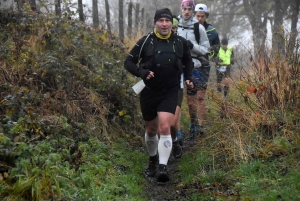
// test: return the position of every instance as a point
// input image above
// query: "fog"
(238, 31)
(230, 17)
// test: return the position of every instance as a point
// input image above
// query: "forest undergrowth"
(71, 129)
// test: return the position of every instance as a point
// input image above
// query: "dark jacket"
(161, 75)
(212, 34)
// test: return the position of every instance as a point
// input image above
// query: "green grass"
(267, 181)
(254, 180)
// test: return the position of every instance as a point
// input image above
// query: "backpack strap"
(143, 45)
(197, 32)
(179, 47)
(185, 27)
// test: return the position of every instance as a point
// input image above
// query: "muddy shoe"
(177, 150)
(151, 169)
(193, 133)
(162, 173)
(152, 166)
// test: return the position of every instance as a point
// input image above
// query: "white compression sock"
(164, 148)
(151, 144)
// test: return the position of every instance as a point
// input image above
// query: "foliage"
(63, 90)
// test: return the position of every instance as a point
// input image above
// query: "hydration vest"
(204, 59)
(161, 53)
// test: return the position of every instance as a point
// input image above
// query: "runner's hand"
(189, 84)
(150, 75)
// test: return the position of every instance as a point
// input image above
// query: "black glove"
(190, 44)
(214, 49)
(143, 73)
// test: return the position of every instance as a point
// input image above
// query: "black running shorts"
(158, 101)
(180, 97)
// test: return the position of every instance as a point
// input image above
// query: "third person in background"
(195, 33)
(225, 58)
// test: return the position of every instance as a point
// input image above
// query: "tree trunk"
(295, 4)
(95, 14)
(121, 20)
(137, 20)
(277, 31)
(257, 12)
(57, 7)
(107, 16)
(149, 23)
(142, 20)
(80, 11)
(129, 27)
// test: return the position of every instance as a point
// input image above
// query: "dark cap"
(224, 41)
(165, 12)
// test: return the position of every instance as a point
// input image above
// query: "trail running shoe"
(179, 137)
(177, 150)
(162, 173)
(193, 132)
(152, 166)
(151, 169)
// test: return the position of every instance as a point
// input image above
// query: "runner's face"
(201, 17)
(224, 46)
(163, 26)
(187, 12)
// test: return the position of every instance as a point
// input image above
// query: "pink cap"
(190, 3)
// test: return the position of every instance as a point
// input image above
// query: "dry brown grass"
(261, 116)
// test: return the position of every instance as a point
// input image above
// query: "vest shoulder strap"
(197, 32)
(185, 27)
(149, 34)
(151, 42)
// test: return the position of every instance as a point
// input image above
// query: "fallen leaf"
(261, 87)
(258, 115)
(251, 89)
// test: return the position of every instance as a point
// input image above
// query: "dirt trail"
(170, 190)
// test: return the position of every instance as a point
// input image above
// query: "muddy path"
(173, 189)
